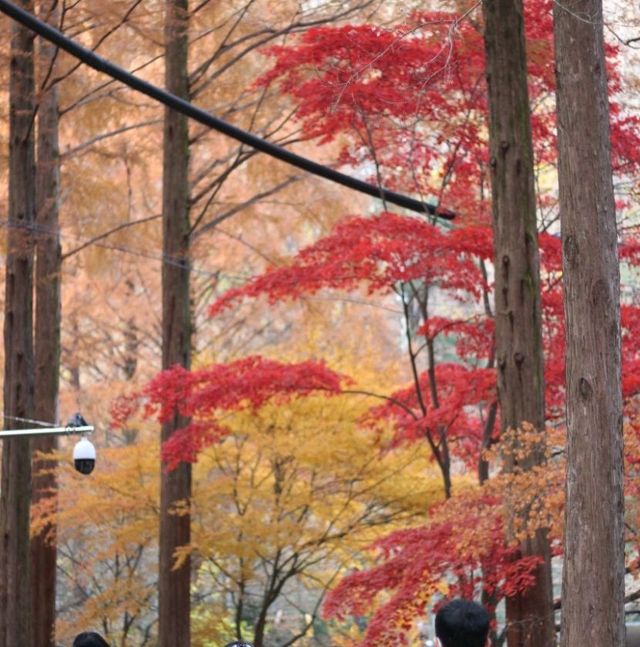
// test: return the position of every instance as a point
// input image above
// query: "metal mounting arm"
(48, 431)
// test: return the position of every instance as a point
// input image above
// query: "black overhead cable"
(180, 105)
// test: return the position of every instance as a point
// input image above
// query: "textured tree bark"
(519, 355)
(174, 601)
(47, 340)
(15, 496)
(593, 579)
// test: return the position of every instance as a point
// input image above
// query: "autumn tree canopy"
(339, 410)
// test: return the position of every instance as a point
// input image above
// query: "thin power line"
(41, 423)
(201, 116)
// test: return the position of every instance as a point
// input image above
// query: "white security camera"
(84, 456)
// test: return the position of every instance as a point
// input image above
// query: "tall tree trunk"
(174, 629)
(47, 339)
(593, 579)
(519, 355)
(15, 496)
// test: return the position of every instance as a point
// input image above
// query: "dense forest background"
(293, 385)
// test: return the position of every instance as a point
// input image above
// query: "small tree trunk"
(47, 342)
(593, 580)
(517, 291)
(174, 602)
(131, 340)
(15, 495)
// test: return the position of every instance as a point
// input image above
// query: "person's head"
(90, 639)
(239, 643)
(462, 623)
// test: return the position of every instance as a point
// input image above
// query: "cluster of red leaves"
(461, 550)
(201, 395)
(554, 326)
(409, 96)
(378, 252)
(382, 252)
(474, 336)
(462, 394)
(630, 323)
(462, 544)
(124, 409)
(410, 99)
(386, 250)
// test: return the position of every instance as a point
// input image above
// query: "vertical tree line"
(47, 335)
(175, 486)
(518, 322)
(15, 493)
(593, 575)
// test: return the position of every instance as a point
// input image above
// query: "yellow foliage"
(294, 495)
(107, 538)
(290, 500)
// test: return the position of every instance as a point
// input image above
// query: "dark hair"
(462, 623)
(90, 639)
(239, 643)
